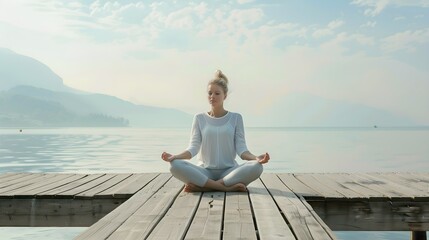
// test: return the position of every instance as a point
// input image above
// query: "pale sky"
(162, 53)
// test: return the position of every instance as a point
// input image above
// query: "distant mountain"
(306, 110)
(32, 95)
(21, 110)
(18, 70)
(73, 109)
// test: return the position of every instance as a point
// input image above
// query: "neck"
(217, 112)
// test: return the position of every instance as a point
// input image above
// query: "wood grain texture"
(238, 221)
(276, 206)
(208, 220)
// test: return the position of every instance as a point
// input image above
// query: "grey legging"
(190, 173)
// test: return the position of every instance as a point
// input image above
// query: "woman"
(217, 135)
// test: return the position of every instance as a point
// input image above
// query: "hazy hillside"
(139, 115)
(30, 106)
(304, 110)
(31, 94)
(20, 110)
(18, 70)
(87, 104)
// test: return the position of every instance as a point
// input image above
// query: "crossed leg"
(215, 186)
(199, 179)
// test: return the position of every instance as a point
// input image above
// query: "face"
(215, 95)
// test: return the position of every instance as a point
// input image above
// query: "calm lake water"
(89, 150)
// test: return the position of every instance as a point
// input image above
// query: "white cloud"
(408, 40)
(369, 24)
(76, 5)
(232, 27)
(245, 17)
(244, 1)
(329, 29)
(375, 7)
(185, 18)
(49, 17)
(415, 3)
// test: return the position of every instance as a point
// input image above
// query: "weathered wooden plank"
(10, 176)
(402, 185)
(19, 180)
(383, 186)
(30, 181)
(102, 186)
(302, 222)
(87, 186)
(178, 218)
(207, 223)
(49, 179)
(128, 187)
(324, 189)
(330, 180)
(238, 220)
(112, 221)
(353, 183)
(413, 181)
(6, 175)
(141, 222)
(420, 179)
(270, 222)
(69, 186)
(298, 187)
(52, 186)
(424, 177)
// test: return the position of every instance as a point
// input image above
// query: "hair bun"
(220, 75)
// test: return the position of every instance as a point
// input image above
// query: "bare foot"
(238, 187)
(191, 188)
(194, 188)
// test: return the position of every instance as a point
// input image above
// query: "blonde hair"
(221, 80)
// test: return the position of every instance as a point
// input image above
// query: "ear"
(225, 97)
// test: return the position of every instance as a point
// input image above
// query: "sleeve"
(239, 138)
(195, 141)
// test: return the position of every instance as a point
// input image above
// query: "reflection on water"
(88, 150)
(85, 150)
(138, 150)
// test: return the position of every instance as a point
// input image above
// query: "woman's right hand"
(167, 157)
(264, 158)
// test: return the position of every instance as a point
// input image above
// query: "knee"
(256, 168)
(176, 166)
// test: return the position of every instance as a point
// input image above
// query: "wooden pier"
(277, 206)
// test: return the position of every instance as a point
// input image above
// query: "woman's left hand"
(264, 158)
(167, 157)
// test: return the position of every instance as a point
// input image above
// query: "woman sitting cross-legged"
(218, 136)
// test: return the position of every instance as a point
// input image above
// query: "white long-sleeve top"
(217, 140)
